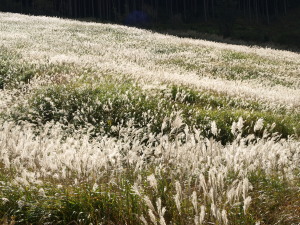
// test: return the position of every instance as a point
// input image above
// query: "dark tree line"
(159, 10)
(222, 12)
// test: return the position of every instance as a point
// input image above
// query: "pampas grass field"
(107, 124)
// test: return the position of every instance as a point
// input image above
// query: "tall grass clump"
(108, 103)
(187, 179)
(104, 105)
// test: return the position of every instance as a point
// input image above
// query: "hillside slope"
(254, 73)
(107, 124)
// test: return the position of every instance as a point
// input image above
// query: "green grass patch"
(117, 203)
(274, 199)
(80, 203)
(108, 103)
(200, 108)
(104, 105)
(12, 72)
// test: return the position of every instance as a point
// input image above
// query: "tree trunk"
(267, 12)
(205, 12)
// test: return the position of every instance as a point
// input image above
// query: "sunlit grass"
(104, 124)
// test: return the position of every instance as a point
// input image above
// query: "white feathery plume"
(41, 192)
(203, 183)
(247, 202)
(259, 124)
(152, 217)
(177, 202)
(234, 128)
(178, 189)
(152, 181)
(196, 219)
(4, 200)
(224, 217)
(245, 187)
(142, 218)
(214, 129)
(149, 203)
(240, 124)
(202, 214)
(161, 211)
(95, 187)
(213, 210)
(195, 201)
(135, 189)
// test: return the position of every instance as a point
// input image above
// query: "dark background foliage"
(250, 20)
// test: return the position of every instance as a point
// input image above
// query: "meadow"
(107, 124)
